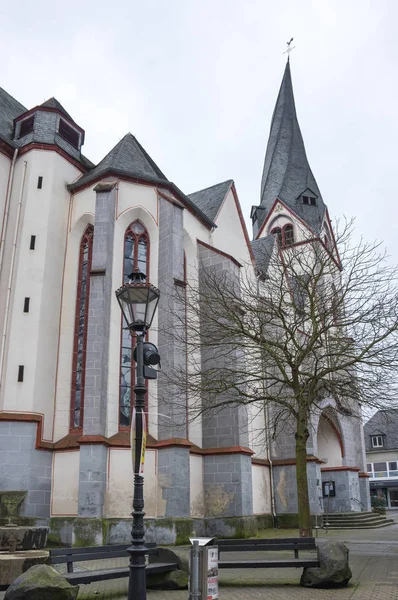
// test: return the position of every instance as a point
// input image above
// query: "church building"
(71, 233)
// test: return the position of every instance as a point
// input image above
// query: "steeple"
(287, 174)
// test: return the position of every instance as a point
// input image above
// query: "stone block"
(41, 582)
(334, 570)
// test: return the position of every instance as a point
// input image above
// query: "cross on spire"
(289, 48)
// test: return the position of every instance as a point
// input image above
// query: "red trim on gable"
(353, 469)
(291, 212)
(53, 148)
(171, 200)
(242, 222)
(167, 185)
(30, 418)
(220, 252)
(6, 149)
(337, 432)
(334, 240)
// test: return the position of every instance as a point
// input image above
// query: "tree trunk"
(304, 513)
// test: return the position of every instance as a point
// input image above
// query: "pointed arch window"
(80, 336)
(135, 256)
(278, 232)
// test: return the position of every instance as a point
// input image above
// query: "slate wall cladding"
(228, 485)
(173, 469)
(227, 477)
(364, 492)
(22, 467)
(285, 488)
(46, 132)
(171, 311)
(347, 487)
(93, 458)
(92, 480)
(173, 463)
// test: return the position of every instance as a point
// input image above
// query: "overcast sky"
(196, 81)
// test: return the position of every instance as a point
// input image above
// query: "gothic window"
(80, 338)
(288, 235)
(278, 232)
(285, 235)
(136, 256)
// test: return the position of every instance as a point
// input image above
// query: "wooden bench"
(73, 555)
(267, 545)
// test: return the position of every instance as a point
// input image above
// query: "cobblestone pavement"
(373, 561)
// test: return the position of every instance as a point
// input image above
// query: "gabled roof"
(210, 199)
(287, 173)
(9, 110)
(129, 158)
(262, 252)
(384, 422)
(53, 103)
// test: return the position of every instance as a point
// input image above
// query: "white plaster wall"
(65, 488)
(33, 337)
(328, 444)
(119, 495)
(257, 431)
(229, 235)
(261, 489)
(196, 485)
(82, 203)
(5, 165)
(372, 457)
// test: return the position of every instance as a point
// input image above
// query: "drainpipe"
(271, 471)
(10, 278)
(7, 208)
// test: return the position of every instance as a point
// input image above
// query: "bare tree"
(306, 322)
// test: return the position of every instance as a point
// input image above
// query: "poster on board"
(212, 574)
(138, 432)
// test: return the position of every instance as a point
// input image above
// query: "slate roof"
(287, 173)
(210, 199)
(384, 422)
(262, 252)
(128, 157)
(9, 110)
(53, 103)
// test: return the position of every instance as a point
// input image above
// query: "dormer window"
(26, 126)
(285, 235)
(309, 200)
(68, 133)
(377, 441)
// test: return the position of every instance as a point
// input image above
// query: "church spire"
(287, 174)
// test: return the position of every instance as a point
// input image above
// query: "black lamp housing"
(138, 301)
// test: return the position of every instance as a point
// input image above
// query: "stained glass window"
(81, 321)
(136, 256)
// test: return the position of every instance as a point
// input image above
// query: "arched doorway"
(330, 444)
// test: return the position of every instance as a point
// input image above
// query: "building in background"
(381, 440)
(71, 233)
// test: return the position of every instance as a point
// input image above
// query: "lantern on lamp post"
(138, 301)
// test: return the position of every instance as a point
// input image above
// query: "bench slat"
(68, 555)
(258, 564)
(274, 542)
(265, 547)
(89, 576)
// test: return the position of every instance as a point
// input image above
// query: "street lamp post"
(138, 301)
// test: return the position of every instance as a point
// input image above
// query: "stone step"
(367, 520)
(386, 524)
